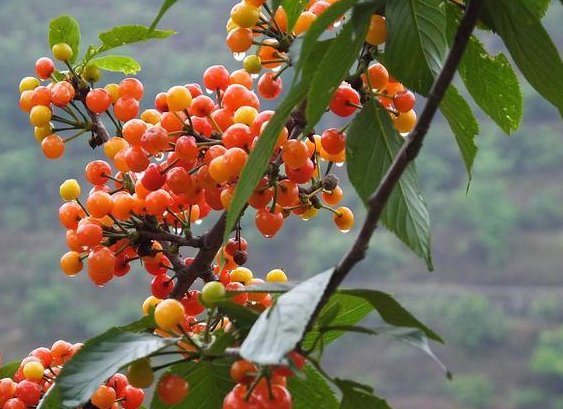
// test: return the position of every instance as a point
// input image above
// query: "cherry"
(172, 389)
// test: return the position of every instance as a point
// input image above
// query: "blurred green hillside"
(496, 294)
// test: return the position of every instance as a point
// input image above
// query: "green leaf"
(9, 370)
(349, 310)
(100, 358)
(260, 155)
(311, 392)
(117, 63)
(129, 34)
(538, 7)
(143, 324)
(411, 336)
(209, 383)
(392, 312)
(222, 341)
(416, 44)
(529, 45)
(319, 26)
(335, 65)
(463, 124)
(358, 396)
(65, 29)
(52, 399)
(163, 9)
(278, 329)
(293, 9)
(371, 146)
(243, 317)
(493, 85)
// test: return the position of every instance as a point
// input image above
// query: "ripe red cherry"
(152, 178)
(269, 86)
(161, 286)
(172, 389)
(344, 101)
(302, 174)
(216, 77)
(191, 303)
(333, 141)
(404, 101)
(268, 223)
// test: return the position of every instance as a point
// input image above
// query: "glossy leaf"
(65, 29)
(278, 329)
(341, 309)
(117, 63)
(358, 396)
(104, 355)
(311, 391)
(411, 336)
(493, 85)
(129, 34)
(392, 312)
(372, 144)
(416, 43)
(529, 45)
(209, 383)
(9, 370)
(463, 124)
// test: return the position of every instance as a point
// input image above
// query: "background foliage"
(498, 308)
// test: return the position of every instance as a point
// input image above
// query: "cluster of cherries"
(256, 388)
(39, 370)
(170, 166)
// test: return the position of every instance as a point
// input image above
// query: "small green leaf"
(65, 29)
(260, 155)
(371, 146)
(222, 341)
(312, 391)
(529, 45)
(163, 9)
(9, 370)
(100, 358)
(129, 34)
(493, 85)
(351, 310)
(242, 317)
(416, 45)
(335, 65)
(117, 63)
(463, 124)
(209, 383)
(278, 329)
(411, 336)
(392, 312)
(358, 396)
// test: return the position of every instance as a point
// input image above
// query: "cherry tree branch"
(407, 154)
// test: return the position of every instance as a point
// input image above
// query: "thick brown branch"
(161, 235)
(408, 152)
(201, 266)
